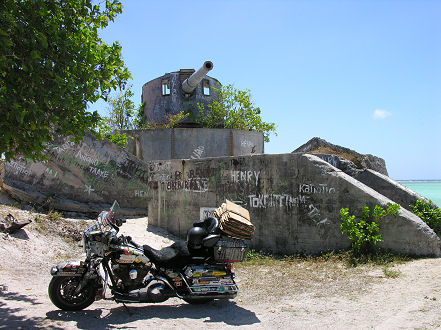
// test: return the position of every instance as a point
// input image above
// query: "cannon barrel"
(191, 82)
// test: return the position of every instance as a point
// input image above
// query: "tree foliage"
(121, 115)
(234, 109)
(52, 64)
(103, 131)
(122, 111)
(171, 120)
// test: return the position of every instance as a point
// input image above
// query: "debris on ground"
(10, 225)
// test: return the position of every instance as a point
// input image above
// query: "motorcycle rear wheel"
(61, 292)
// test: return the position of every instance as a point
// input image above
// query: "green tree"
(122, 111)
(121, 115)
(235, 110)
(102, 130)
(52, 64)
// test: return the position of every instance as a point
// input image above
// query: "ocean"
(429, 189)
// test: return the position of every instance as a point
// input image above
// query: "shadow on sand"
(225, 312)
(10, 316)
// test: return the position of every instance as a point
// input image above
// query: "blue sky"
(362, 74)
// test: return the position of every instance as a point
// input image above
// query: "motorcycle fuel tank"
(132, 255)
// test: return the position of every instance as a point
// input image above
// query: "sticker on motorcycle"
(219, 273)
(126, 259)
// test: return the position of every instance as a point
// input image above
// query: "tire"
(61, 289)
(198, 301)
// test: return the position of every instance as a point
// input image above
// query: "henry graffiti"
(245, 176)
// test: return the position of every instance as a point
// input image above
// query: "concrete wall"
(84, 177)
(377, 181)
(193, 143)
(294, 201)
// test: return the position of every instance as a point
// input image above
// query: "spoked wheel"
(62, 293)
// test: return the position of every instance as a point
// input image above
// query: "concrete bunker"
(182, 174)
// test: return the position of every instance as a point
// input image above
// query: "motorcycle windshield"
(115, 211)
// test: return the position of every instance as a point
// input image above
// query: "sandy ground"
(412, 300)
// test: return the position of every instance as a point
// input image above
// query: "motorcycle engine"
(130, 276)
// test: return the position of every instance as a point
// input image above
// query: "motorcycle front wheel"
(62, 293)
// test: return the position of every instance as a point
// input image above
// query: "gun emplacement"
(191, 82)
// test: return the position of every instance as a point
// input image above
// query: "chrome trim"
(163, 279)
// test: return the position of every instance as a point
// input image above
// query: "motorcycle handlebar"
(131, 241)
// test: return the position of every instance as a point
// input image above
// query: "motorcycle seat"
(163, 256)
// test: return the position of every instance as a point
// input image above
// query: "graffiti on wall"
(161, 176)
(275, 200)
(18, 168)
(311, 188)
(206, 212)
(245, 176)
(251, 188)
(198, 152)
(84, 171)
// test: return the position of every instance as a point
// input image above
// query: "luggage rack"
(230, 249)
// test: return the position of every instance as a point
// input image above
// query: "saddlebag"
(213, 281)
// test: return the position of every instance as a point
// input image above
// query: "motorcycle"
(197, 273)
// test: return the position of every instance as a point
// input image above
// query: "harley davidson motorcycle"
(141, 274)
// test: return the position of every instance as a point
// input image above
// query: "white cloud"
(381, 114)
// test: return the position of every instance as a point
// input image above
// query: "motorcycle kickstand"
(127, 309)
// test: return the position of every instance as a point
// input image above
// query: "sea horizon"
(418, 180)
(430, 189)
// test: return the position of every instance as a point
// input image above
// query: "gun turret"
(191, 82)
(177, 91)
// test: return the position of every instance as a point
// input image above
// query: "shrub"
(234, 109)
(429, 214)
(364, 232)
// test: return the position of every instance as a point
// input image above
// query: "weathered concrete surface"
(193, 143)
(390, 188)
(320, 146)
(294, 201)
(84, 177)
(375, 180)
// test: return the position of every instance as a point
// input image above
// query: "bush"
(429, 214)
(364, 232)
(234, 109)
